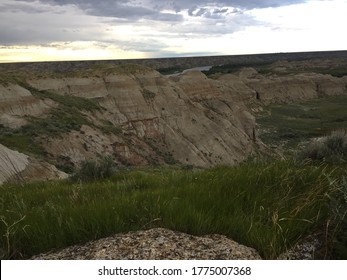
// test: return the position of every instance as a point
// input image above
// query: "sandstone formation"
(140, 117)
(156, 244)
(11, 163)
(294, 88)
(18, 167)
(188, 119)
(17, 103)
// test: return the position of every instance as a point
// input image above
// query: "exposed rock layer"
(11, 163)
(189, 119)
(147, 118)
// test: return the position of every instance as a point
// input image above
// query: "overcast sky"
(41, 30)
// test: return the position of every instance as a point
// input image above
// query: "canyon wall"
(140, 117)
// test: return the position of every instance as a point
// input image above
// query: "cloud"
(162, 11)
(179, 5)
(154, 10)
(42, 22)
(152, 28)
(128, 10)
(36, 23)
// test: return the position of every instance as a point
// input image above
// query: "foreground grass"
(265, 206)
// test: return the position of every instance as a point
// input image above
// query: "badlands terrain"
(53, 116)
(194, 159)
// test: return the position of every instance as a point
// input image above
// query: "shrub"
(91, 170)
(330, 149)
(148, 95)
(337, 144)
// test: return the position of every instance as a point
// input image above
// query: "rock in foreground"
(156, 244)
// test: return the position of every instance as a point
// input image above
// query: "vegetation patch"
(338, 72)
(294, 123)
(56, 124)
(331, 149)
(232, 68)
(171, 70)
(92, 170)
(17, 140)
(165, 155)
(148, 95)
(67, 117)
(67, 101)
(121, 69)
(108, 127)
(266, 206)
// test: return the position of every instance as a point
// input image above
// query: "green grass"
(265, 206)
(67, 101)
(20, 75)
(108, 127)
(232, 68)
(171, 70)
(301, 121)
(19, 141)
(266, 68)
(338, 71)
(59, 121)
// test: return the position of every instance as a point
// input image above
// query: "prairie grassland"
(293, 123)
(268, 206)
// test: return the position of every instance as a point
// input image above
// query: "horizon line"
(168, 57)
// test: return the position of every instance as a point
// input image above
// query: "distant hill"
(180, 62)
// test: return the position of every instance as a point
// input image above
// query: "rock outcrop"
(156, 244)
(11, 163)
(17, 104)
(140, 117)
(293, 88)
(188, 119)
(18, 167)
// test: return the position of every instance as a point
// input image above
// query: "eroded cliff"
(135, 115)
(140, 117)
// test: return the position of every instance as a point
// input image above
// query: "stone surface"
(156, 244)
(310, 248)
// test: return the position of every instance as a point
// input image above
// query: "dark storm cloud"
(32, 23)
(126, 10)
(149, 9)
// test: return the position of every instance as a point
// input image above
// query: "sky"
(50, 30)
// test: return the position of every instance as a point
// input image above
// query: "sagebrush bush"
(329, 149)
(91, 170)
